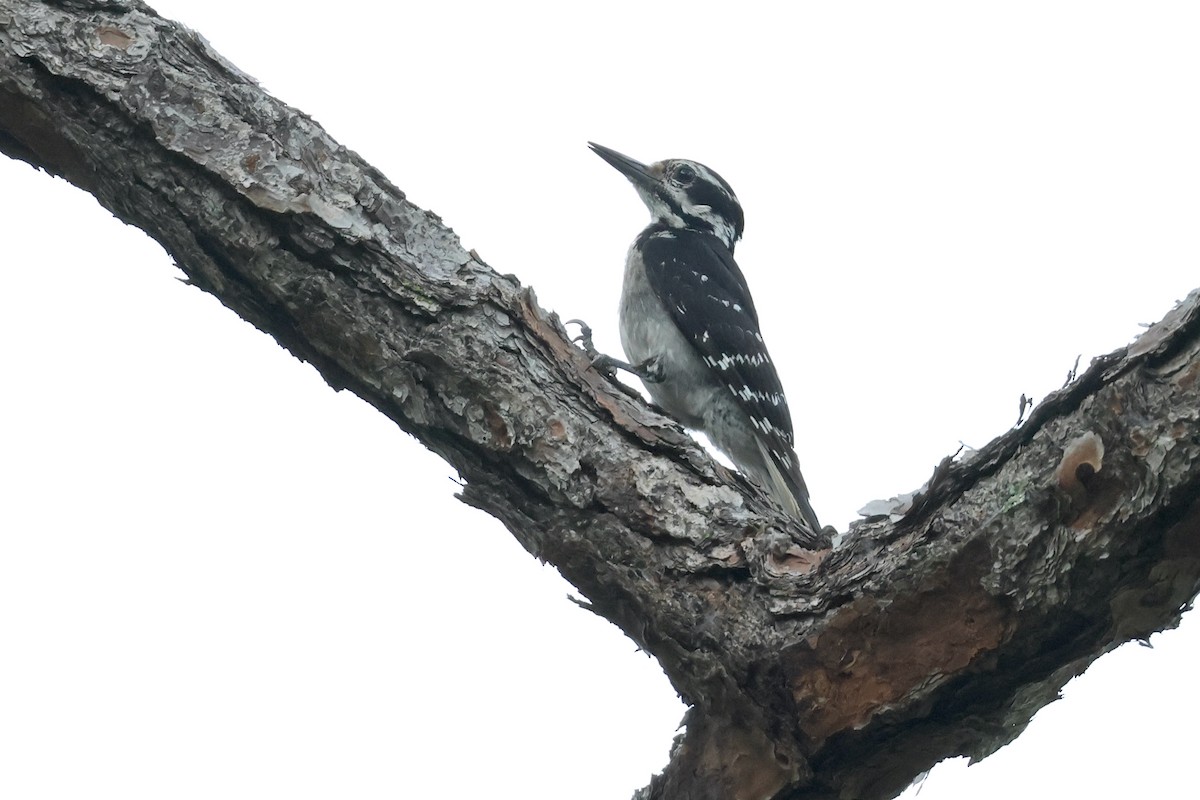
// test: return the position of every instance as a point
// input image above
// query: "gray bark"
(933, 631)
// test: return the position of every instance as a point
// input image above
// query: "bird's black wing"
(698, 281)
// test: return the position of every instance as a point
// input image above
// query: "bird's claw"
(650, 370)
(584, 339)
(600, 362)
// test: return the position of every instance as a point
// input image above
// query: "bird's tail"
(786, 484)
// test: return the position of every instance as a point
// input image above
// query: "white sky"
(218, 578)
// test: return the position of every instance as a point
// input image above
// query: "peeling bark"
(812, 672)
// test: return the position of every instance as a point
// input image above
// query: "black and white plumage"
(690, 330)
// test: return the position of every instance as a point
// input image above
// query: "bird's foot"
(601, 362)
(584, 339)
(650, 370)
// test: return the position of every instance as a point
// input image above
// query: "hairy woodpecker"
(689, 328)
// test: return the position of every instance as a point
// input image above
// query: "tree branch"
(933, 631)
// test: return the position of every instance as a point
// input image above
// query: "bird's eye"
(684, 175)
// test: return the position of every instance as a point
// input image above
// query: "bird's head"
(682, 194)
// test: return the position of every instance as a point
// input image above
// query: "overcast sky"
(219, 578)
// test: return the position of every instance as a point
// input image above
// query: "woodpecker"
(690, 330)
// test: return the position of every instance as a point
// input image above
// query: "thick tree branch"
(812, 673)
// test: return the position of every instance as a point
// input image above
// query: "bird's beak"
(637, 172)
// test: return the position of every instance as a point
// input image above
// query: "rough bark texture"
(812, 673)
